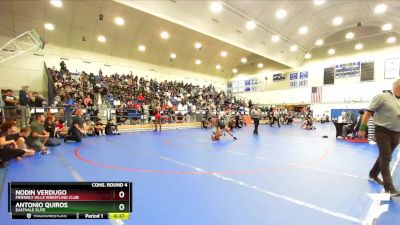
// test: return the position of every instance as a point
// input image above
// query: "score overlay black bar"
(70, 200)
(71, 185)
(104, 215)
(111, 216)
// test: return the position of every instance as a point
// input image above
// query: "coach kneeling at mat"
(76, 130)
(386, 109)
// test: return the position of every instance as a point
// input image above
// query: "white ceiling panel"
(22, 24)
(76, 40)
(7, 6)
(197, 16)
(7, 21)
(191, 21)
(122, 48)
(35, 9)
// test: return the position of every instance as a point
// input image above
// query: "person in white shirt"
(117, 102)
(185, 108)
(180, 107)
(275, 117)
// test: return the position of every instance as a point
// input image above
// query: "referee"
(256, 115)
(386, 109)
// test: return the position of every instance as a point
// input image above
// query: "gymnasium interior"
(227, 112)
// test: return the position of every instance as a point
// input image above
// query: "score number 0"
(121, 195)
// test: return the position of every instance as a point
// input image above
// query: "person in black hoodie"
(111, 129)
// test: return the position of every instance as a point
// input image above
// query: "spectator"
(94, 114)
(275, 114)
(92, 79)
(120, 114)
(353, 127)
(19, 138)
(60, 129)
(308, 123)
(50, 127)
(289, 119)
(63, 67)
(37, 100)
(99, 128)
(24, 103)
(344, 117)
(89, 129)
(140, 98)
(97, 94)
(2, 104)
(111, 129)
(87, 101)
(69, 103)
(76, 130)
(116, 103)
(10, 103)
(9, 148)
(144, 95)
(39, 136)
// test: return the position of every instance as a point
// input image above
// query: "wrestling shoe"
(45, 152)
(375, 180)
(394, 193)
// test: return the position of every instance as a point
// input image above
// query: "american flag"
(316, 94)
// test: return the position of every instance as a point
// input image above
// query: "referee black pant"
(73, 135)
(387, 141)
(256, 123)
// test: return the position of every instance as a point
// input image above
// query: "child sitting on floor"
(111, 129)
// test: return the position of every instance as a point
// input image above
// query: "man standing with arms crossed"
(256, 115)
(386, 110)
(24, 97)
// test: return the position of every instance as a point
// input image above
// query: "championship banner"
(294, 80)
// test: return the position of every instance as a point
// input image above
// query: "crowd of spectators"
(174, 101)
(19, 107)
(177, 101)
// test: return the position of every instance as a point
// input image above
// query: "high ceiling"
(318, 18)
(192, 21)
(76, 19)
(229, 25)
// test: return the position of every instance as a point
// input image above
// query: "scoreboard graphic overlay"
(70, 200)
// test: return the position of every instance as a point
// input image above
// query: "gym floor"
(285, 176)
